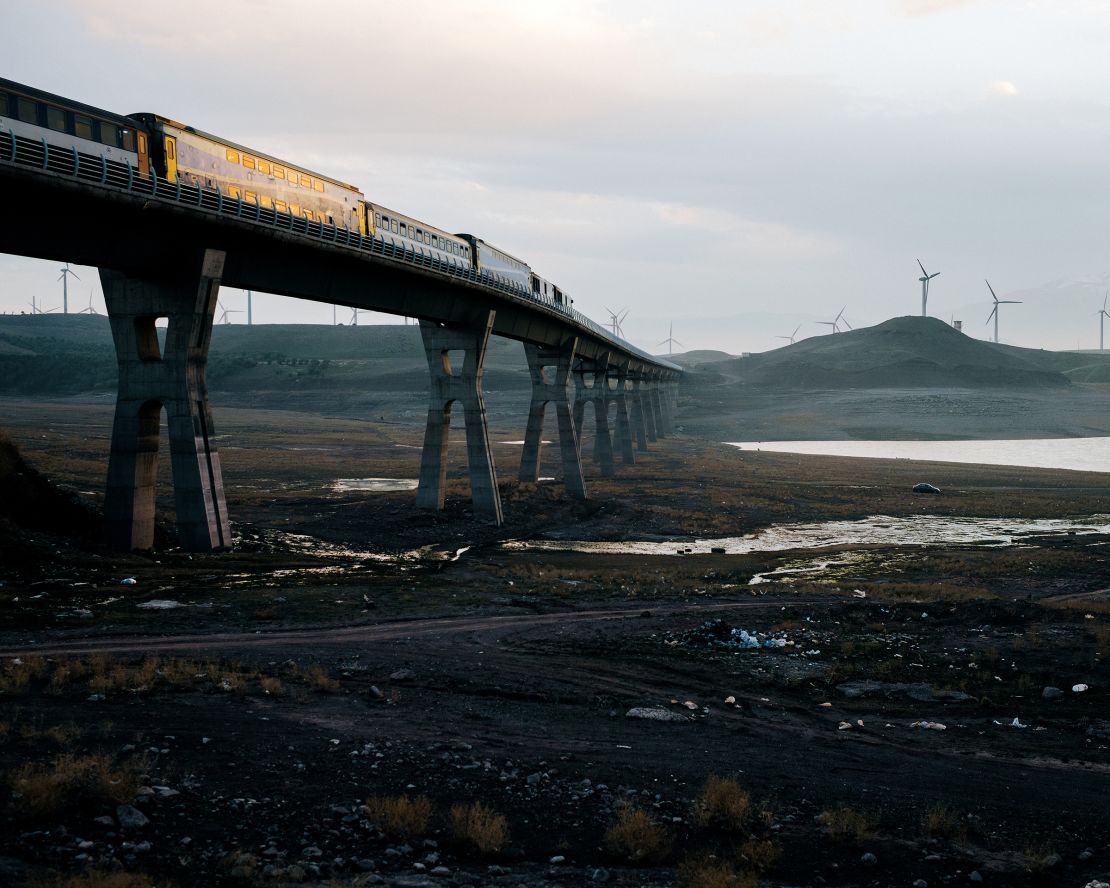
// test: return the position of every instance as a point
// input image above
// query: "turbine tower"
(994, 311)
(616, 320)
(64, 278)
(835, 322)
(670, 341)
(90, 310)
(925, 278)
(1102, 316)
(225, 315)
(250, 312)
(792, 335)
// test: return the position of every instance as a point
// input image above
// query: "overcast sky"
(737, 167)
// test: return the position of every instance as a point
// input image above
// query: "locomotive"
(150, 143)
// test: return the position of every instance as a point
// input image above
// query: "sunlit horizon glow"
(735, 169)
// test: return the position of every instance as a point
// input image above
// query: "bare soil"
(352, 647)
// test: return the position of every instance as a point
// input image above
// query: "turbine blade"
(922, 267)
(933, 275)
(994, 311)
(989, 287)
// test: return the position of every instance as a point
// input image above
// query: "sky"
(736, 169)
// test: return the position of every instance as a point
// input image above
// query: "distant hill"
(698, 356)
(907, 352)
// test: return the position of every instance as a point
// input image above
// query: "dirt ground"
(278, 714)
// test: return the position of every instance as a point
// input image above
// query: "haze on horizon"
(736, 169)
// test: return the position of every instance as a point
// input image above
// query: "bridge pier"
(560, 362)
(638, 415)
(150, 379)
(624, 426)
(596, 393)
(662, 407)
(647, 396)
(463, 384)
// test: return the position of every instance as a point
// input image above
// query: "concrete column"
(150, 379)
(463, 384)
(663, 408)
(557, 392)
(624, 426)
(597, 393)
(647, 397)
(639, 414)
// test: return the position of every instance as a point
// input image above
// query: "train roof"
(73, 105)
(149, 116)
(478, 240)
(407, 218)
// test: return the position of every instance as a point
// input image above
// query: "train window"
(232, 155)
(294, 209)
(320, 217)
(427, 238)
(281, 206)
(404, 230)
(250, 197)
(279, 172)
(419, 234)
(82, 126)
(393, 226)
(248, 162)
(267, 202)
(109, 133)
(56, 119)
(318, 185)
(127, 140)
(26, 110)
(264, 167)
(306, 182)
(3, 104)
(233, 191)
(377, 220)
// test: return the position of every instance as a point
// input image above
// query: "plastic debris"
(825, 705)
(730, 699)
(859, 593)
(1016, 723)
(691, 705)
(844, 726)
(1079, 688)
(128, 581)
(929, 726)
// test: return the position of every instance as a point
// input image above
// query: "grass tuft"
(400, 816)
(70, 781)
(723, 804)
(847, 824)
(479, 826)
(635, 836)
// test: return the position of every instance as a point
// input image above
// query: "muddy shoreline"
(343, 653)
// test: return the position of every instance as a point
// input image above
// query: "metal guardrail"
(39, 154)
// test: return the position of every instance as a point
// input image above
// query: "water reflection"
(374, 485)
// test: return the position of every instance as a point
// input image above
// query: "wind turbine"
(994, 311)
(792, 335)
(224, 319)
(670, 341)
(354, 317)
(925, 278)
(64, 278)
(250, 313)
(1102, 316)
(616, 320)
(90, 310)
(835, 322)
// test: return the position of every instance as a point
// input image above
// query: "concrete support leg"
(603, 442)
(651, 418)
(555, 391)
(151, 378)
(463, 384)
(658, 400)
(639, 415)
(624, 425)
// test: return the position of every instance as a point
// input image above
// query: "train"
(151, 144)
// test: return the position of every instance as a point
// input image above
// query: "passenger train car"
(148, 142)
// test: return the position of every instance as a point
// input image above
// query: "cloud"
(1003, 88)
(921, 8)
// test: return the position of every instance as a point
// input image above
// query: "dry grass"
(760, 854)
(940, 821)
(707, 872)
(93, 879)
(271, 686)
(73, 781)
(636, 837)
(62, 736)
(17, 673)
(480, 827)
(847, 825)
(317, 678)
(723, 804)
(400, 816)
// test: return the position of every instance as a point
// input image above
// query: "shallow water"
(883, 530)
(1082, 454)
(374, 485)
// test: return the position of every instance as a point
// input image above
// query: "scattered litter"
(730, 699)
(825, 705)
(859, 593)
(1088, 616)
(656, 713)
(128, 581)
(929, 726)
(691, 705)
(717, 631)
(623, 746)
(159, 604)
(1079, 688)
(844, 726)
(1016, 723)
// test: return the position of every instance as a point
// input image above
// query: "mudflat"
(313, 706)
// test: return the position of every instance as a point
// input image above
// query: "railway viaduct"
(165, 248)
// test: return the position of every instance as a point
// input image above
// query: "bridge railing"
(98, 170)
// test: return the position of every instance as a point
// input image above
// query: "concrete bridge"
(164, 249)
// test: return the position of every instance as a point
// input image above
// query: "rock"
(1079, 688)
(976, 876)
(1052, 860)
(922, 487)
(441, 871)
(1051, 693)
(920, 883)
(130, 817)
(599, 875)
(869, 859)
(914, 690)
(656, 713)
(365, 864)
(557, 859)
(403, 675)
(1086, 854)
(104, 821)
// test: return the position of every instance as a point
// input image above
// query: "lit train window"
(82, 126)
(280, 206)
(318, 185)
(306, 182)
(109, 133)
(233, 191)
(127, 140)
(320, 217)
(250, 197)
(307, 213)
(267, 202)
(56, 119)
(279, 171)
(248, 162)
(232, 155)
(294, 209)
(26, 110)
(264, 167)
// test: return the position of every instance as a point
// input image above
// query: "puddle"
(520, 443)
(878, 530)
(374, 485)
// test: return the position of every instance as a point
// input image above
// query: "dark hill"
(907, 352)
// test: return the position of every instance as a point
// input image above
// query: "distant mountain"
(698, 356)
(908, 352)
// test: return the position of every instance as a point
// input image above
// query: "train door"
(171, 159)
(144, 154)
